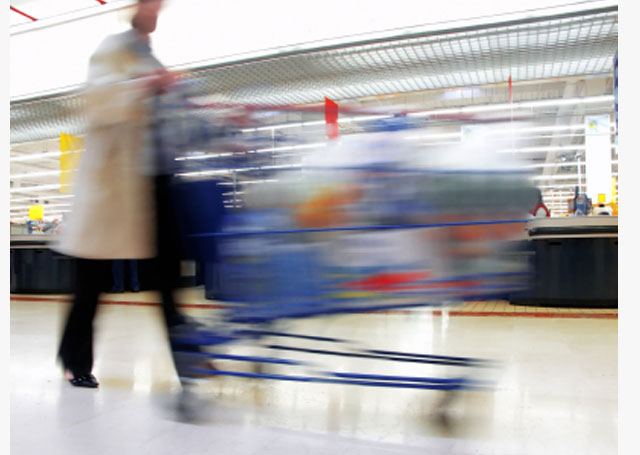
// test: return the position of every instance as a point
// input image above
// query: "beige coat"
(113, 215)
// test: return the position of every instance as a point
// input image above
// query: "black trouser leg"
(168, 273)
(76, 345)
(168, 249)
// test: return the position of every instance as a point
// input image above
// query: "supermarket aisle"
(557, 390)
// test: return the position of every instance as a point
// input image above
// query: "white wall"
(193, 31)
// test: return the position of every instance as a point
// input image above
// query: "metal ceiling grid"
(553, 48)
(572, 45)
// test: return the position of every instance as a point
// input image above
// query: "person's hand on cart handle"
(158, 82)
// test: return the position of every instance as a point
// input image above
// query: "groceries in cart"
(373, 217)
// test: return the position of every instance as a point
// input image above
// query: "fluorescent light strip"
(203, 157)
(315, 123)
(44, 205)
(562, 176)
(550, 128)
(534, 137)
(28, 189)
(284, 126)
(582, 185)
(503, 135)
(280, 166)
(544, 165)
(37, 156)
(34, 156)
(292, 147)
(26, 213)
(560, 148)
(35, 174)
(514, 106)
(57, 196)
(271, 149)
(526, 149)
(507, 132)
(205, 173)
(540, 129)
(245, 169)
(249, 182)
(557, 177)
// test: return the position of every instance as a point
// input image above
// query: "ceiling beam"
(16, 10)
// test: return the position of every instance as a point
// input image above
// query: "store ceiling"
(535, 49)
(547, 58)
(25, 11)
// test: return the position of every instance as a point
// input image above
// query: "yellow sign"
(71, 149)
(614, 198)
(36, 212)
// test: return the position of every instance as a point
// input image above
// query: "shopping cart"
(378, 232)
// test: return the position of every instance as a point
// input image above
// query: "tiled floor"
(556, 387)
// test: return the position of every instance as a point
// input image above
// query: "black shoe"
(85, 380)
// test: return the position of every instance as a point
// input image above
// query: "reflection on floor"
(556, 386)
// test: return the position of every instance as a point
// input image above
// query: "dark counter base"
(565, 303)
(572, 273)
(40, 270)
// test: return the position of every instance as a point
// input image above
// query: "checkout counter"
(575, 262)
(38, 269)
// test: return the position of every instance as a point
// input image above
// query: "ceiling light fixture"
(35, 198)
(29, 189)
(515, 106)
(35, 174)
(38, 156)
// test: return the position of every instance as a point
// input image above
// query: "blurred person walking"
(123, 205)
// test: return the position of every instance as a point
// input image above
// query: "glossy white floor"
(556, 390)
